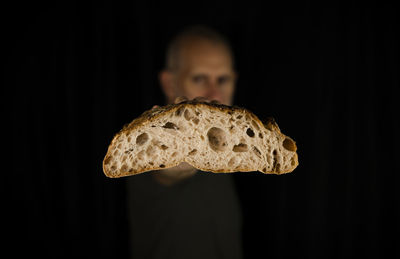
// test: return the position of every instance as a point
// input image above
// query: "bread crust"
(151, 115)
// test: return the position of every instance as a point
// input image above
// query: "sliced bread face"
(211, 137)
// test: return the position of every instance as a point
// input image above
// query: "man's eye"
(198, 79)
(223, 80)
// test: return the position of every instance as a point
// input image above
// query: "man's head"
(199, 62)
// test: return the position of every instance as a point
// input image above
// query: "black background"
(76, 72)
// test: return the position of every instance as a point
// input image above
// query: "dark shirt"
(198, 217)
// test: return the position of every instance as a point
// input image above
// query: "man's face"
(206, 71)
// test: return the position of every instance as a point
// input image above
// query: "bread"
(209, 136)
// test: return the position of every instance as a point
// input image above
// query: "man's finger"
(180, 99)
(201, 99)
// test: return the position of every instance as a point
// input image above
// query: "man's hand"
(173, 175)
(184, 170)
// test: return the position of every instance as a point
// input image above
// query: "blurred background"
(77, 71)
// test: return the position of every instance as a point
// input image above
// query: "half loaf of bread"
(211, 137)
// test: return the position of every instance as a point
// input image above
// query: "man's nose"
(214, 93)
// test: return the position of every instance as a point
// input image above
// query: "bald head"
(190, 38)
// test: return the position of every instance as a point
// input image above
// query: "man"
(181, 212)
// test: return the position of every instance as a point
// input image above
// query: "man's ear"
(167, 82)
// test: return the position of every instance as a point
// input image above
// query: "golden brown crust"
(153, 114)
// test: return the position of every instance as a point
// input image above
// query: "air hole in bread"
(179, 111)
(193, 152)
(250, 132)
(275, 165)
(188, 115)
(170, 125)
(217, 139)
(241, 147)
(124, 168)
(239, 117)
(151, 163)
(257, 151)
(174, 154)
(164, 147)
(289, 144)
(128, 151)
(142, 138)
(260, 135)
(107, 160)
(293, 163)
(202, 137)
(162, 166)
(196, 121)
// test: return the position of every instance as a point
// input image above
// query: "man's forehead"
(208, 70)
(203, 56)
